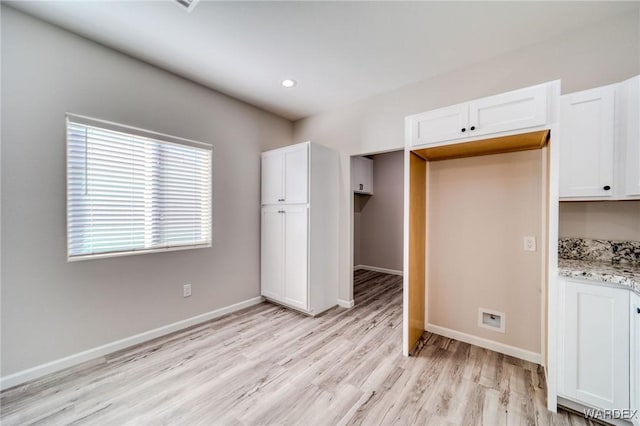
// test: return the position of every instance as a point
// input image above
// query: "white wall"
(51, 308)
(596, 55)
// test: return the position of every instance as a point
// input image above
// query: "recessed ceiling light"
(187, 4)
(288, 83)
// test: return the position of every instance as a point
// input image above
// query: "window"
(133, 191)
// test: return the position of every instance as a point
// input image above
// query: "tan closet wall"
(493, 200)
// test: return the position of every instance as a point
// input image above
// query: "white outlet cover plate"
(529, 243)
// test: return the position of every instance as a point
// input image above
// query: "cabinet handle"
(361, 187)
(463, 129)
(280, 199)
(638, 310)
(473, 127)
(606, 187)
(280, 211)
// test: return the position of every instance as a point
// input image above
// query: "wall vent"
(493, 320)
(187, 4)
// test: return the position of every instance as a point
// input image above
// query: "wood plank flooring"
(269, 365)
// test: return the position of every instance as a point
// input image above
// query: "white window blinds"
(132, 191)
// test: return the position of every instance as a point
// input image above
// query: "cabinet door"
(635, 354)
(296, 256)
(362, 175)
(595, 334)
(296, 172)
(630, 135)
(440, 125)
(586, 145)
(272, 172)
(509, 111)
(272, 252)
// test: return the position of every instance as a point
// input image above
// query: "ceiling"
(338, 52)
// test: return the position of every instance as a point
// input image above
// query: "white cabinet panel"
(630, 135)
(504, 113)
(296, 171)
(295, 263)
(362, 175)
(440, 125)
(272, 183)
(594, 336)
(587, 144)
(285, 175)
(272, 248)
(299, 260)
(508, 111)
(635, 354)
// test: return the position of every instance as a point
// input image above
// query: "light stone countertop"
(622, 275)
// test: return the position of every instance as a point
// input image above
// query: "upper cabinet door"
(296, 172)
(440, 125)
(509, 111)
(587, 143)
(630, 134)
(362, 175)
(272, 182)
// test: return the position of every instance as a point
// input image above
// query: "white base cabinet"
(299, 229)
(594, 345)
(635, 355)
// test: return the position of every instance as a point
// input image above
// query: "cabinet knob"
(606, 187)
(463, 130)
(473, 127)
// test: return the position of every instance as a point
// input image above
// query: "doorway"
(377, 183)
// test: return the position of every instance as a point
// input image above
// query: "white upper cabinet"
(630, 135)
(362, 175)
(504, 113)
(441, 125)
(587, 143)
(519, 109)
(600, 144)
(285, 175)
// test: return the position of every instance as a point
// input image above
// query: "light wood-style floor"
(269, 365)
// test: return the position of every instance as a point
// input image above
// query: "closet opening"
(377, 185)
(471, 210)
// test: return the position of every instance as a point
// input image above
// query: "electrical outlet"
(186, 290)
(529, 243)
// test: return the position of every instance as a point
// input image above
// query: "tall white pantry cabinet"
(299, 227)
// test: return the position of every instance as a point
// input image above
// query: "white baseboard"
(376, 269)
(502, 348)
(78, 358)
(345, 303)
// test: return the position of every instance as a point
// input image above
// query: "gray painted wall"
(51, 308)
(596, 55)
(378, 218)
